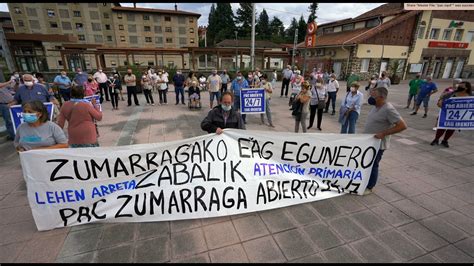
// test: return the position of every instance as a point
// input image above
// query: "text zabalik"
(206, 176)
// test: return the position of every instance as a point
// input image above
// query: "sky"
(327, 12)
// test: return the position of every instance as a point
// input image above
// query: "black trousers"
(284, 86)
(148, 96)
(162, 94)
(313, 109)
(223, 88)
(104, 90)
(114, 97)
(132, 90)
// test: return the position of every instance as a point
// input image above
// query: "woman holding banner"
(80, 115)
(463, 90)
(38, 132)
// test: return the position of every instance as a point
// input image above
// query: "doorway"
(383, 67)
(436, 68)
(447, 69)
(459, 66)
(337, 69)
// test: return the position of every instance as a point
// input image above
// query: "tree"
(225, 19)
(277, 30)
(302, 26)
(262, 27)
(211, 26)
(243, 20)
(312, 12)
(290, 32)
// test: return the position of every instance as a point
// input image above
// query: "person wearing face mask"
(178, 82)
(427, 88)
(237, 85)
(268, 96)
(80, 77)
(147, 87)
(333, 88)
(304, 97)
(351, 104)
(114, 86)
(413, 91)
(463, 89)
(382, 120)
(223, 116)
(64, 84)
(214, 84)
(131, 83)
(101, 79)
(318, 102)
(162, 80)
(90, 86)
(285, 84)
(225, 81)
(194, 95)
(37, 132)
(31, 91)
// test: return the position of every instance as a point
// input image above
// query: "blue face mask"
(371, 100)
(30, 118)
(226, 107)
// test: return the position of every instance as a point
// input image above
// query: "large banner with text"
(207, 176)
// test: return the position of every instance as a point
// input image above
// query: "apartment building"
(96, 26)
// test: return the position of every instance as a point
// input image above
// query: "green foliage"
(221, 24)
(262, 27)
(302, 27)
(171, 71)
(277, 30)
(290, 31)
(312, 9)
(244, 20)
(394, 67)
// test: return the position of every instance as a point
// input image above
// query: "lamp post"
(236, 54)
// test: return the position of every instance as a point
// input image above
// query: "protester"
(101, 79)
(296, 84)
(90, 86)
(114, 86)
(372, 84)
(426, 90)
(382, 120)
(332, 88)
(274, 78)
(31, 91)
(6, 97)
(303, 97)
(413, 91)
(37, 132)
(223, 116)
(250, 77)
(351, 106)
(178, 82)
(286, 73)
(202, 82)
(351, 79)
(214, 82)
(384, 81)
(463, 89)
(64, 84)
(131, 82)
(119, 77)
(451, 89)
(191, 77)
(225, 81)
(147, 87)
(81, 116)
(319, 96)
(80, 77)
(163, 89)
(267, 86)
(237, 85)
(194, 94)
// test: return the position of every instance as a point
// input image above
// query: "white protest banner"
(207, 176)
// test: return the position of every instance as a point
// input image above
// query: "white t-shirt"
(332, 85)
(100, 77)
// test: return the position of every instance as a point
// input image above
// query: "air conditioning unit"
(331, 53)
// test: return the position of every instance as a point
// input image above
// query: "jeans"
(213, 95)
(8, 120)
(267, 112)
(374, 175)
(162, 95)
(179, 90)
(332, 99)
(284, 86)
(148, 96)
(132, 90)
(350, 123)
(103, 90)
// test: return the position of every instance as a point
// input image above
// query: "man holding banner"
(223, 116)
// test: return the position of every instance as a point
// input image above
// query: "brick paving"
(422, 209)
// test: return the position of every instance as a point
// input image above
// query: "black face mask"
(90, 80)
(459, 89)
(129, 74)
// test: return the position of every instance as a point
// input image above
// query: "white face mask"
(100, 70)
(373, 81)
(318, 84)
(353, 89)
(29, 83)
(80, 72)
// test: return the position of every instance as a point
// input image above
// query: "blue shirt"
(426, 88)
(60, 79)
(80, 78)
(178, 80)
(354, 101)
(237, 86)
(37, 92)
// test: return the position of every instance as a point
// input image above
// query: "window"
(169, 40)
(113, 63)
(77, 14)
(447, 34)
(106, 15)
(372, 23)
(109, 38)
(167, 18)
(470, 36)
(131, 17)
(81, 37)
(94, 15)
(31, 12)
(96, 27)
(50, 13)
(328, 30)
(66, 25)
(133, 39)
(170, 64)
(168, 29)
(64, 13)
(191, 20)
(79, 27)
(348, 27)
(181, 20)
(122, 38)
(434, 34)
(120, 27)
(98, 39)
(182, 41)
(34, 24)
(421, 32)
(60, 62)
(151, 63)
(364, 65)
(191, 40)
(319, 52)
(156, 18)
(132, 28)
(107, 26)
(458, 35)
(119, 15)
(159, 40)
(157, 29)
(182, 30)
(147, 39)
(146, 28)
(53, 25)
(17, 10)
(146, 17)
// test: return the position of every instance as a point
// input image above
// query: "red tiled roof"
(383, 11)
(154, 10)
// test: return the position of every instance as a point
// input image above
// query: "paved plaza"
(422, 209)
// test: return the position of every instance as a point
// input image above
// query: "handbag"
(342, 111)
(297, 108)
(321, 103)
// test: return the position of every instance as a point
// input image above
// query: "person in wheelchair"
(194, 95)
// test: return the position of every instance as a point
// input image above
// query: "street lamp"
(236, 54)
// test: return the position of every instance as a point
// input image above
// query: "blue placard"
(457, 113)
(252, 101)
(97, 100)
(16, 113)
